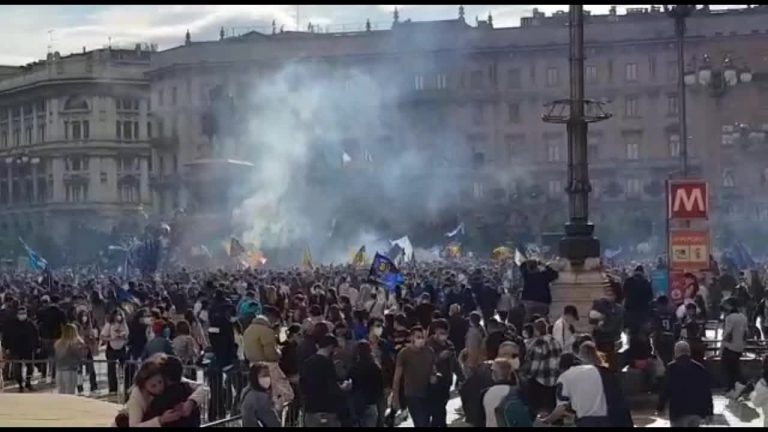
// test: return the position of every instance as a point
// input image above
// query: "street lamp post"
(576, 112)
(679, 13)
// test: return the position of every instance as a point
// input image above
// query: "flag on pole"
(459, 230)
(35, 261)
(306, 260)
(384, 271)
(519, 257)
(359, 259)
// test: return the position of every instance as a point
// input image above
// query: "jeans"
(418, 407)
(321, 420)
(732, 367)
(113, 358)
(438, 401)
(686, 421)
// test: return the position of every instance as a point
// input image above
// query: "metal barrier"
(235, 421)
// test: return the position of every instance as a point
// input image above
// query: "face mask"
(377, 331)
(265, 382)
(515, 363)
(22, 317)
(146, 320)
(84, 319)
(418, 343)
(119, 318)
(203, 316)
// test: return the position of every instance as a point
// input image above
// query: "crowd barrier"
(220, 409)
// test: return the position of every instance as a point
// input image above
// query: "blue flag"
(36, 262)
(384, 271)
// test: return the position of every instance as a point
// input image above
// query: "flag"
(236, 248)
(359, 259)
(306, 260)
(384, 271)
(35, 261)
(453, 250)
(404, 243)
(519, 257)
(394, 252)
(459, 230)
(608, 253)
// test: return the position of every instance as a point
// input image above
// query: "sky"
(32, 29)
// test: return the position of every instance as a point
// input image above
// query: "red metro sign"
(688, 199)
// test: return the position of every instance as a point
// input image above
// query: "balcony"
(169, 142)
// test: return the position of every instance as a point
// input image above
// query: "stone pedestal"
(579, 286)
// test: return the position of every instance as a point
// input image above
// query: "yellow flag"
(306, 260)
(359, 259)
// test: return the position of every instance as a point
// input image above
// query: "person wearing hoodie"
(638, 296)
(688, 388)
(760, 396)
(20, 339)
(257, 406)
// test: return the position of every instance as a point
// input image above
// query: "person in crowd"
(126, 342)
(760, 396)
(177, 391)
(446, 367)
(69, 351)
(88, 330)
(196, 330)
(607, 318)
(638, 296)
(505, 382)
(542, 359)
(161, 341)
(19, 340)
(186, 348)
(367, 386)
(734, 343)
(479, 378)
(322, 393)
(664, 329)
(687, 388)
(50, 321)
(563, 330)
(257, 406)
(458, 327)
(475, 339)
(415, 371)
(536, 295)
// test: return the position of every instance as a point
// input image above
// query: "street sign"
(688, 199)
(689, 250)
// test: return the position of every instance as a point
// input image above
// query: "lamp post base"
(578, 243)
(578, 285)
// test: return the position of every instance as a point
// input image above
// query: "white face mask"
(419, 342)
(515, 363)
(265, 382)
(378, 331)
(22, 317)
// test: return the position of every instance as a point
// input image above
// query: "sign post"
(688, 245)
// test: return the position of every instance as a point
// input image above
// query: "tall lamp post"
(679, 13)
(576, 112)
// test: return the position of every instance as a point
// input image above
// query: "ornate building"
(74, 148)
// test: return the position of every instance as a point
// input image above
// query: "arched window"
(76, 103)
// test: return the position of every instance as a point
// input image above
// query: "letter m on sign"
(688, 199)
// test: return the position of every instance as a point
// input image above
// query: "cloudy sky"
(31, 29)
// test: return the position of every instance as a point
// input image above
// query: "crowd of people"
(328, 347)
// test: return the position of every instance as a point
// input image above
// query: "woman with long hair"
(69, 351)
(185, 347)
(196, 330)
(88, 331)
(147, 385)
(115, 334)
(257, 407)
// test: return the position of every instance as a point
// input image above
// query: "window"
(173, 96)
(552, 77)
(554, 146)
(28, 135)
(119, 129)
(160, 97)
(590, 74)
(418, 82)
(441, 81)
(513, 112)
(672, 106)
(66, 130)
(477, 190)
(652, 67)
(515, 146)
(4, 138)
(17, 137)
(630, 72)
(175, 163)
(634, 187)
(77, 192)
(632, 144)
(476, 80)
(86, 129)
(729, 136)
(103, 177)
(674, 145)
(630, 107)
(161, 163)
(513, 78)
(129, 192)
(478, 113)
(672, 71)
(149, 129)
(594, 142)
(555, 188)
(127, 130)
(135, 130)
(728, 178)
(76, 130)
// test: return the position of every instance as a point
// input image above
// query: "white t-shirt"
(491, 400)
(582, 388)
(562, 333)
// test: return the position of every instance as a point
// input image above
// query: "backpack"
(512, 412)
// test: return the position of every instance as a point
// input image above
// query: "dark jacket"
(457, 333)
(536, 284)
(173, 395)
(637, 294)
(471, 392)
(50, 321)
(319, 385)
(688, 388)
(367, 383)
(20, 338)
